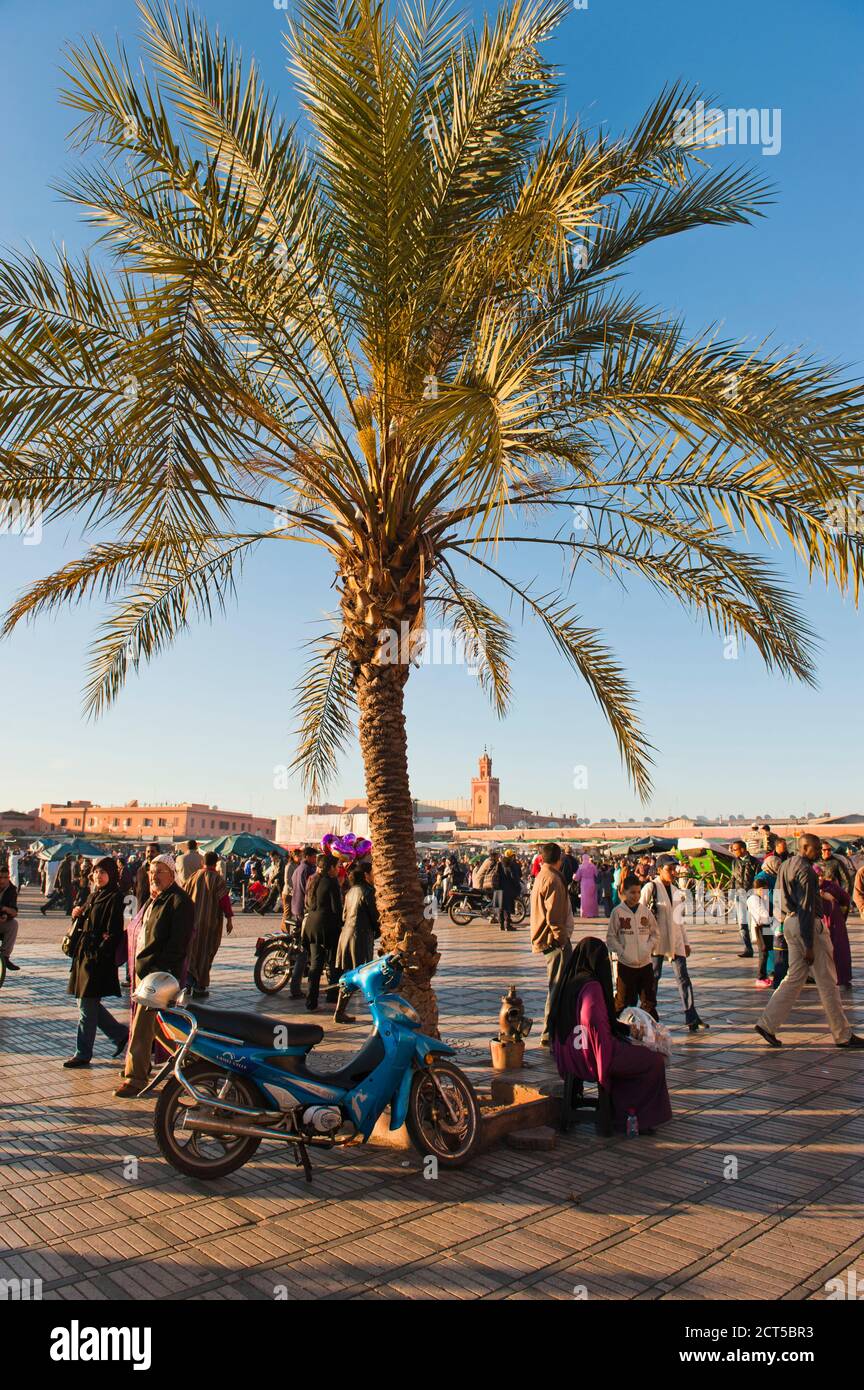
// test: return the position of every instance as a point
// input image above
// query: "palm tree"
(397, 331)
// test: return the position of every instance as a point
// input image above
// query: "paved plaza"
(755, 1190)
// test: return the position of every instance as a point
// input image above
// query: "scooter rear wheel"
(190, 1152)
(443, 1117)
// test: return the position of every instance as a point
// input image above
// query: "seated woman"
(589, 1042)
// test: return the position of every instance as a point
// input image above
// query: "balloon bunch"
(347, 847)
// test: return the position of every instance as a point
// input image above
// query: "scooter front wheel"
(273, 968)
(195, 1154)
(460, 912)
(443, 1117)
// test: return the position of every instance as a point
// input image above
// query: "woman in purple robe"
(589, 1042)
(835, 905)
(586, 877)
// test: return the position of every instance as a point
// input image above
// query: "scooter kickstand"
(301, 1153)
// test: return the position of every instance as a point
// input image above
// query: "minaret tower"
(485, 796)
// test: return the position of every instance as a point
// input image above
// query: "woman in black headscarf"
(588, 1041)
(97, 933)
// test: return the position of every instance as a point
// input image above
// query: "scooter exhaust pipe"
(238, 1130)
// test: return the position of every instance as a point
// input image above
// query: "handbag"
(70, 942)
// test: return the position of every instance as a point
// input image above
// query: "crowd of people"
(158, 911)
(161, 911)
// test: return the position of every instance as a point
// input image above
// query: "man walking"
(551, 922)
(167, 927)
(838, 867)
(188, 863)
(302, 874)
(740, 884)
(209, 893)
(809, 949)
(64, 887)
(142, 877)
(666, 900)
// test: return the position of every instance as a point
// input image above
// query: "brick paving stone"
(654, 1218)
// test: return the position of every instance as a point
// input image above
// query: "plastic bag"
(646, 1032)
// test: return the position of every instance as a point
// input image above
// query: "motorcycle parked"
(237, 1078)
(275, 957)
(464, 904)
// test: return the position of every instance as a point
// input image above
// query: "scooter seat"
(257, 1029)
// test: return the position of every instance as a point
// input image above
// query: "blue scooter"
(237, 1078)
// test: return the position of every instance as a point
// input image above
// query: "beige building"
(133, 821)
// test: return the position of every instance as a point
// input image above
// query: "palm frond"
(487, 639)
(324, 708)
(583, 650)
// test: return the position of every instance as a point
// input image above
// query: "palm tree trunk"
(384, 746)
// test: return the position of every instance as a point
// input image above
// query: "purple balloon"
(348, 846)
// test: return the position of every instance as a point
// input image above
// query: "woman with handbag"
(93, 942)
(360, 929)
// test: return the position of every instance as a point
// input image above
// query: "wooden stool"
(574, 1104)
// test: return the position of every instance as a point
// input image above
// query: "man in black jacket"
(744, 869)
(808, 943)
(169, 921)
(142, 878)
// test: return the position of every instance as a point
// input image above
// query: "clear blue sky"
(213, 719)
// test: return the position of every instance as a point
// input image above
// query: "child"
(762, 923)
(633, 935)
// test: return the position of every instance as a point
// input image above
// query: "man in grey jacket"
(809, 946)
(302, 874)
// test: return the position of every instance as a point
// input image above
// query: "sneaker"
(764, 983)
(10, 965)
(130, 1089)
(77, 1062)
(745, 955)
(854, 1041)
(699, 1026)
(770, 1038)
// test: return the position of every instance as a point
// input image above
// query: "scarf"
(588, 964)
